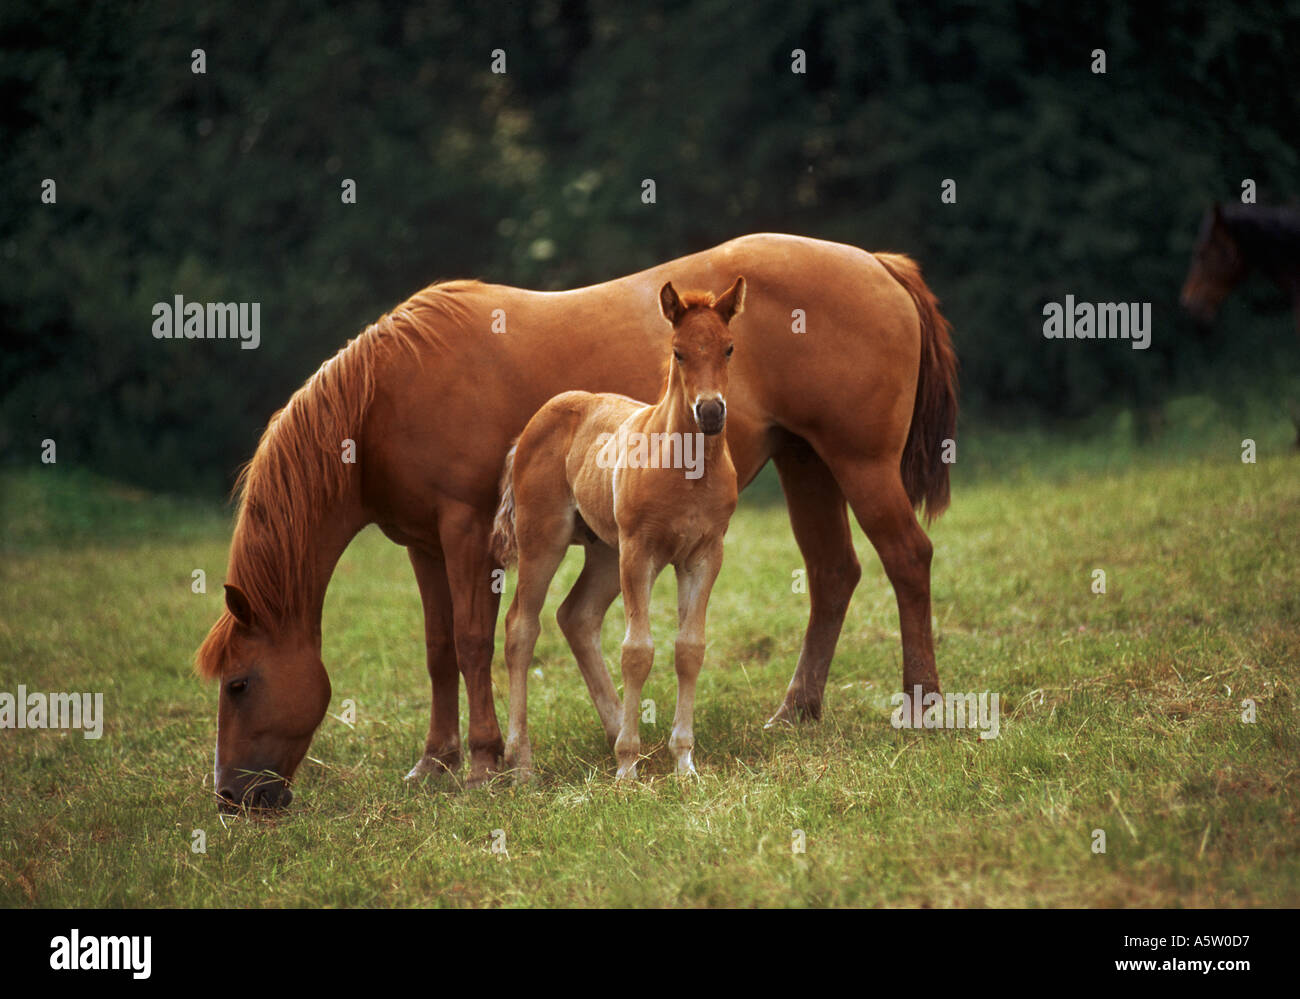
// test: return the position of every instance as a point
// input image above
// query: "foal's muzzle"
(711, 415)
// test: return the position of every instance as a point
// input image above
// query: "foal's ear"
(240, 607)
(732, 302)
(670, 304)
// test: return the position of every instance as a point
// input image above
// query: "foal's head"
(702, 346)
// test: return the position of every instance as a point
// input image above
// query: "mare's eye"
(731, 350)
(236, 687)
(678, 354)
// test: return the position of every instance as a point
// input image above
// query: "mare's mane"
(1261, 230)
(297, 472)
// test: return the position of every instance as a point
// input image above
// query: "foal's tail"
(934, 414)
(504, 544)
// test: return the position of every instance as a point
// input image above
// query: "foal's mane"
(297, 472)
(698, 299)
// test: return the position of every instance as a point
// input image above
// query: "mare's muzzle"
(1202, 311)
(711, 415)
(264, 790)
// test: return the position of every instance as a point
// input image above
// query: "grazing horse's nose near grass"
(711, 414)
(1201, 311)
(265, 790)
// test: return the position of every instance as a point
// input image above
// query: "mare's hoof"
(789, 714)
(429, 766)
(482, 773)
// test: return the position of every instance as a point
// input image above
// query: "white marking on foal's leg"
(693, 588)
(688, 659)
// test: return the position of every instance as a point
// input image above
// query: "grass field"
(1120, 712)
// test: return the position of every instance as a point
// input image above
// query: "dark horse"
(1233, 241)
(847, 383)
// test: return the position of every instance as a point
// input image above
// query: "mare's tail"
(934, 414)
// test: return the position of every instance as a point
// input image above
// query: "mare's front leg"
(820, 520)
(464, 533)
(637, 573)
(442, 747)
(694, 584)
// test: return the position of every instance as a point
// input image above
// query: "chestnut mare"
(1233, 241)
(847, 382)
(618, 477)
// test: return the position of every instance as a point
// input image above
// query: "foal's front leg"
(694, 584)
(637, 575)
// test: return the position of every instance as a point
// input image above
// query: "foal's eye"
(236, 687)
(678, 354)
(731, 350)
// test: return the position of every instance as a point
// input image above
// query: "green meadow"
(1120, 712)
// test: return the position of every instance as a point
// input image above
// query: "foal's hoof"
(524, 776)
(519, 766)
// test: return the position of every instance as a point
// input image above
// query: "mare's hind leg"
(442, 747)
(580, 617)
(543, 527)
(694, 584)
(875, 491)
(821, 529)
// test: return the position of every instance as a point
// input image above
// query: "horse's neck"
(335, 532)
(308, 566)
(672, 413)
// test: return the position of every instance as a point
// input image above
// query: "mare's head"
(1218, 265)
(702, 347)
(274, 694)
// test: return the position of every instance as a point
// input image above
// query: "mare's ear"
(732, 302)
(670, 304)
(238, 604)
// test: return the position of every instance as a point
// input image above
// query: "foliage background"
(225, 186)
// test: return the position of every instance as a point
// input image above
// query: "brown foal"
(640, 487)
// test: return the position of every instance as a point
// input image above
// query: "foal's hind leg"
(694, 584)
(580, 617)
(543, 535)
